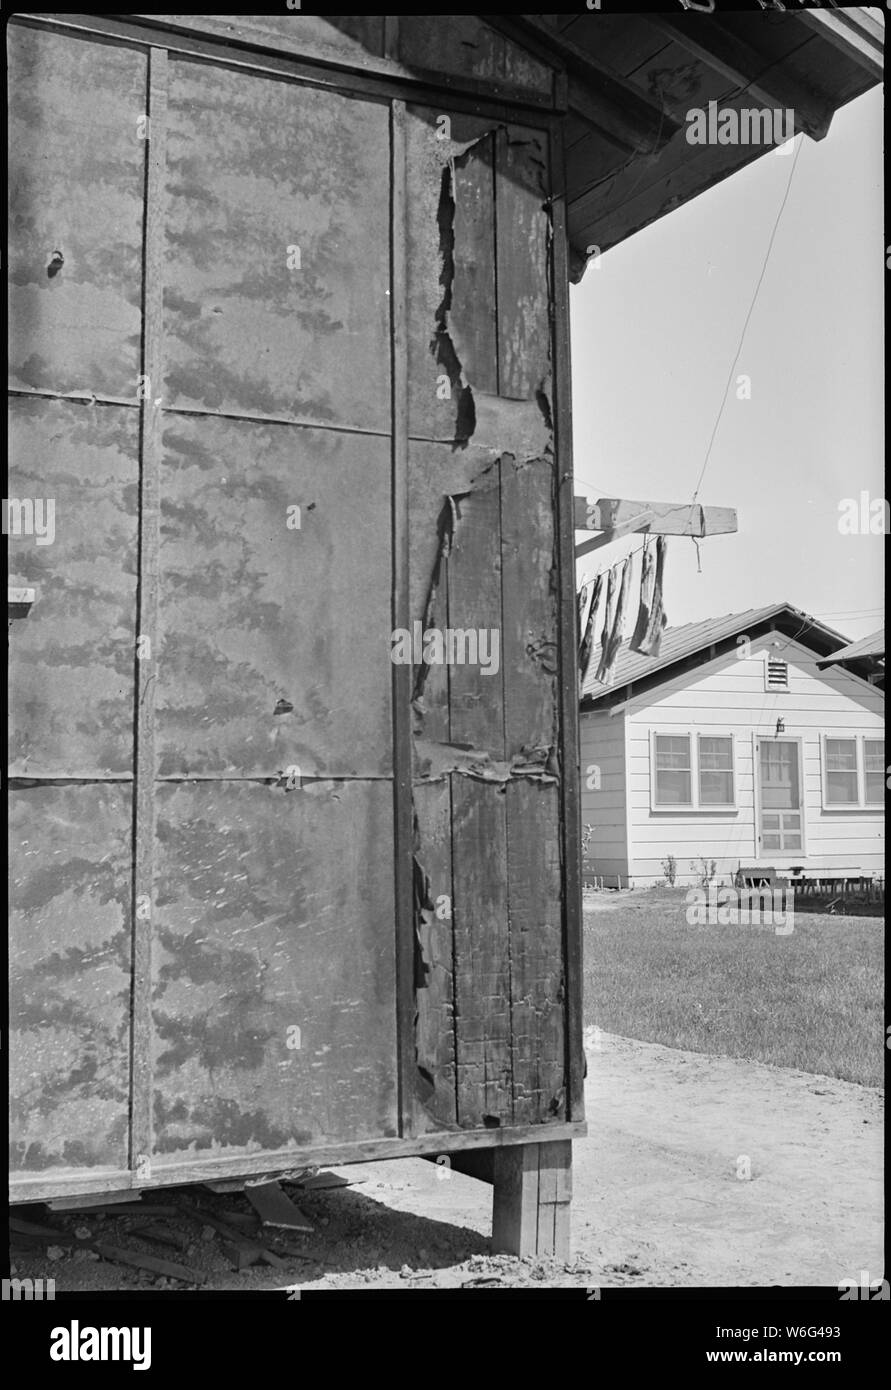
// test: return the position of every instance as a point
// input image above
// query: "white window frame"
(775, 689)
(859, 741)
(695, 806)
(791, 856)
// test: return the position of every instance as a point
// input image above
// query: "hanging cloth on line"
(645, 608)
(583, 600)
(650, 641)
(612, 631)
(587, 641)
(609, 616)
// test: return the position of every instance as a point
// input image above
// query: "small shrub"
(705, 869)
(670, 869)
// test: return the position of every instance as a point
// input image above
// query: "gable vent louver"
(777, 674)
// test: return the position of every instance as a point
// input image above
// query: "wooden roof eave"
(787, 65)
(764, 80)
(616, 107)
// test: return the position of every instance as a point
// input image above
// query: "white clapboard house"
(744, 742)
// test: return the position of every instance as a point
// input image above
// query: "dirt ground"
(661, 1195)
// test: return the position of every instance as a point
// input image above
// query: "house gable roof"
(692, 644)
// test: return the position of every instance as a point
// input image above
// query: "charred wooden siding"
(275, 894)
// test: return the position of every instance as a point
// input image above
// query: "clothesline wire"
(751, 309)
(746, 325)
(742, 336)
(638, 550)
(595, 487)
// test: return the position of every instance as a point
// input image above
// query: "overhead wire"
(745, 326)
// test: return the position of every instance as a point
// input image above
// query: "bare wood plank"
(530, 639)
(570, 794)
(168, 1268)
(401, 617)
(538, 1024)
(669, 518)
(435, 984)
(275, 1208)
(473, 321)
(482, 954)
(99, 1200)
(431, 521)
(390, 44)
(347, 40)
(524, 349)
(532, 722)
(515, 1201)
(554, 1199)
(531, 1200)
(70, 1183)
(476, 690)
(476, 713)
(146, 657)
(451, 281)
(641, 523)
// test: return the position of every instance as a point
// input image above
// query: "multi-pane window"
(853, 772)
(674, 785)
(715, 771)
(841, 771)
(692, 773)
(874, 771)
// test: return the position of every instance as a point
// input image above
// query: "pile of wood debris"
(250, 1222)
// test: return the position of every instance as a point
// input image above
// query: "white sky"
(654, 331)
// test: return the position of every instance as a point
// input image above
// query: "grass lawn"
(811, 999)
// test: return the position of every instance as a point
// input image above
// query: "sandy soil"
(658, 1200)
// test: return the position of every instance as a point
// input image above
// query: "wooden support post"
(533, 1190)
